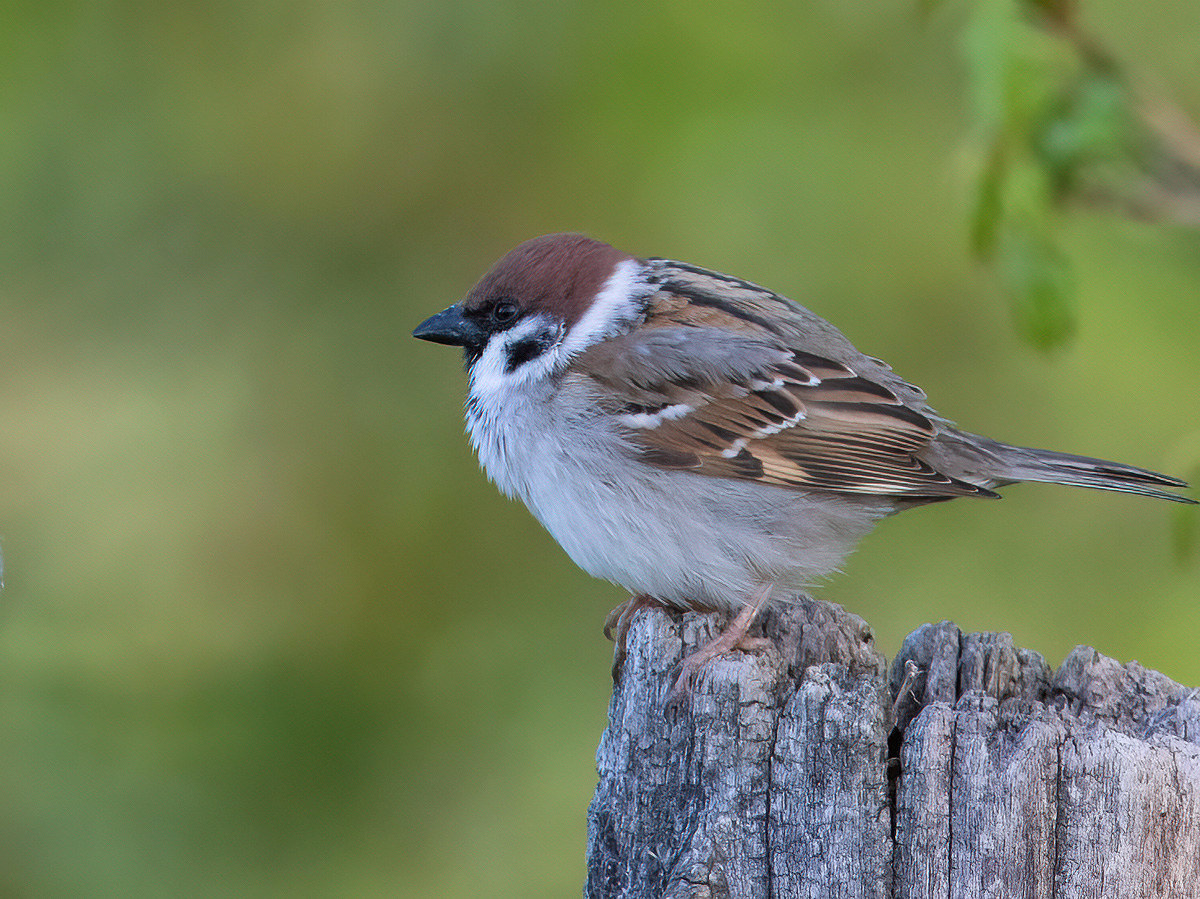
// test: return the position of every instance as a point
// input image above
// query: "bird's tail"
(1026, 464)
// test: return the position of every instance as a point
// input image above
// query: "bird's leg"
(621, 619)
(733, 637)
(616, 617)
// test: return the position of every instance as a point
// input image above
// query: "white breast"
(680, 537)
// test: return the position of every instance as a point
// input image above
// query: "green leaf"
(1059, 11)
(988, 209)
(987, 47)
(1041, 288)
(1090, 122)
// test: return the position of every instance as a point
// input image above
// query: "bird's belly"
(684, 538)
(687, 539)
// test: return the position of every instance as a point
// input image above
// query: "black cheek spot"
(525, 350)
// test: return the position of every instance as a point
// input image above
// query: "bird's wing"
(727, 397)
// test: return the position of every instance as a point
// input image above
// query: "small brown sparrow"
(700, 440)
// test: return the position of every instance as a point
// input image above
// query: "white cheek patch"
(494, 372)
(535, 347)
(616, 305)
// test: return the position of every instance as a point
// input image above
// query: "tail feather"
(1026, 464)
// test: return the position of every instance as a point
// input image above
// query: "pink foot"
(734, 636)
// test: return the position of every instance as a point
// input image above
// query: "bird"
(704, 442)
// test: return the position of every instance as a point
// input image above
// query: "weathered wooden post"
(970, 770)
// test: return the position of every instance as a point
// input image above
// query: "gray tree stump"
(972, 770)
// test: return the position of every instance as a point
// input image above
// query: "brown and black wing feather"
(733, 393)
(840, 433)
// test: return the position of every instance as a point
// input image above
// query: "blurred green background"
(267, 631)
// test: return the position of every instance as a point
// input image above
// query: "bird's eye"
(504, 311)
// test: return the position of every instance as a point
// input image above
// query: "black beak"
(451, 327)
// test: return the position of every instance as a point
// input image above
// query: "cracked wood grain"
(971, 770)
